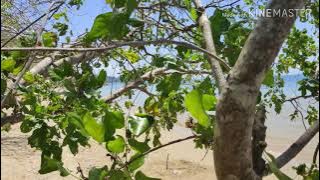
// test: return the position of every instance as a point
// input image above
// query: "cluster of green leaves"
(73, 116)
(308, 173)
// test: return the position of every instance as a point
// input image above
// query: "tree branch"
(207, 34)
(297, 146)
(147, 76)
(298, 97)
(122, 44)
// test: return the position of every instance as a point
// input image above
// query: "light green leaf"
(8, 64)
(139, 124)
(194, 104)
(49, 39)
(115, 119)
(117, 145)
(94, 128)
(209, 101)
(28, 77)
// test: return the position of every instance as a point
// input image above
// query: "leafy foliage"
(63, 106)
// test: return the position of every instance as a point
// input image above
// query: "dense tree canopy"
(207, 60)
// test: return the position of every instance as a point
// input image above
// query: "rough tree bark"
(237, 102)
(258, 140)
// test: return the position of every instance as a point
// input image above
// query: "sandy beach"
(177, 162)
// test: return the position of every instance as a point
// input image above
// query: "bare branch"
(122, 44)
(147, 76)
(297, 146)
(299, 97)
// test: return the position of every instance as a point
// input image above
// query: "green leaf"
(209, 102)
(118, 175)
(17, 70)
(140, 147)
(193, 14)
(169, 83)
(98, 173)
(108, 26)
(76, 120)
(26, 126)
(94, 128)
(117, 145)
(61, 28)
(219, 24)
(8, 64)
(29, 77)
(49, 165)
(194, 104)
(113, 120)
(135, 22)
(139, 124)
(140, 176)
(119, 3)
(273, 167)
(269, 79)
(131, 5)
(49, 39)
(101, 79)
(136, 163)
(57, 16)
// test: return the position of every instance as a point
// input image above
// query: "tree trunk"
(237, 102)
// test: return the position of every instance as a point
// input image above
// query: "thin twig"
(157, 148)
